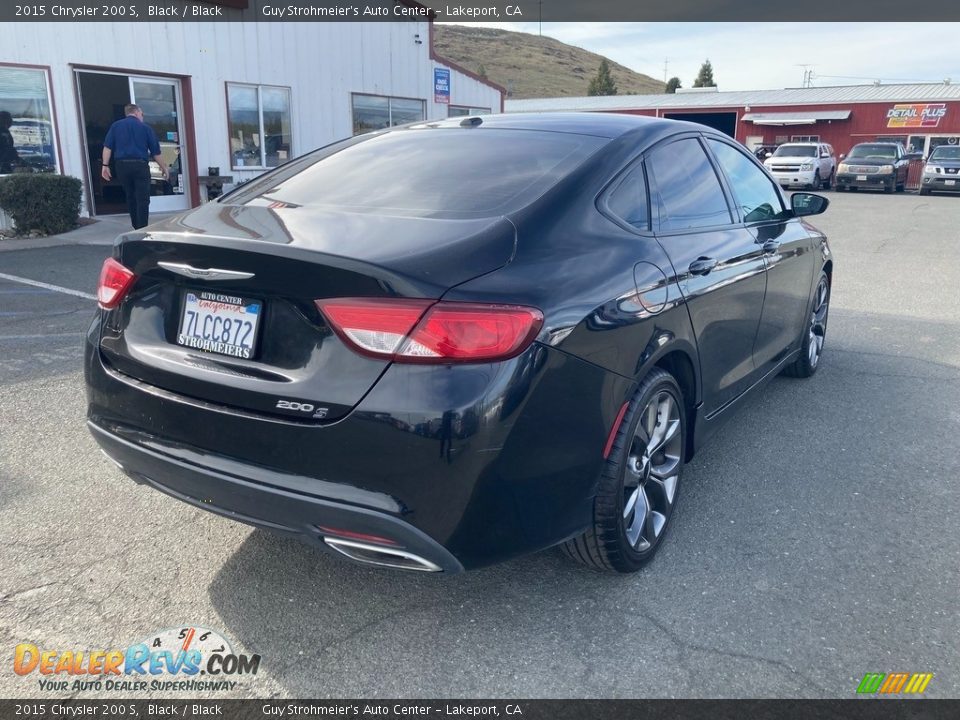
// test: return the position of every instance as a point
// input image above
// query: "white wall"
(323, 63)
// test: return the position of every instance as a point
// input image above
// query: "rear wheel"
(639, 483)
(829, 182)
(811, 347)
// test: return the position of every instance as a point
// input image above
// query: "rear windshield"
(796, 151)
(877, 152)
(428, 172)
(946, 153)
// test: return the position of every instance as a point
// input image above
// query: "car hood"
(944, 163)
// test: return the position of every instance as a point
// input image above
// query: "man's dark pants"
(134, 176)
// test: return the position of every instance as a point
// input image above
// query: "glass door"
(159, 98)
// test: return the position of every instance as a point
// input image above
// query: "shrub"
(45, 203)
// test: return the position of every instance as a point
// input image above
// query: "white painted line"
(48, 286)
(41, 337)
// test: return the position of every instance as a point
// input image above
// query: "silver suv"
(807, 164)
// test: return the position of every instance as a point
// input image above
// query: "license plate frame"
(949, 182)
(861, 178)
(189, 301)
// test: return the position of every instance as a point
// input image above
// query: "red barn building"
(920, 116)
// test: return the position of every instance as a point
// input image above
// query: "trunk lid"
(281, 259)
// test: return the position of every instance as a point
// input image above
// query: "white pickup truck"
(808, 164)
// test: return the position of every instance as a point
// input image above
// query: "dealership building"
(921, 116)
(233, 97)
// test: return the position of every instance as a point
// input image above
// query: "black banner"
(467, 11)
(864, 709)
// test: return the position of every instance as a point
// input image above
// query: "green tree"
(705, 76)
(603, 83)
(672, 85)
(482, 71)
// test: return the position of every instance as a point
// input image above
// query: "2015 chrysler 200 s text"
(443, 345)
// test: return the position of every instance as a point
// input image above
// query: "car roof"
(607, 125)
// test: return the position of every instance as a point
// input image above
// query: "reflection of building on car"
(942, 171)
(805, 164)
(875, 166)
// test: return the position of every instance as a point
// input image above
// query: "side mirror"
(804, 204)
(768, 154)
(842, 155)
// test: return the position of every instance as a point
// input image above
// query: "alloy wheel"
(652, 471)
(818, 323)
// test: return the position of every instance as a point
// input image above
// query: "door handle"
(770, 247)
(702, 265)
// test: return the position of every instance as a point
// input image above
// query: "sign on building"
(441, 85)
(916, 115)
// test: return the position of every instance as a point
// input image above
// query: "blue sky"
(749, 56)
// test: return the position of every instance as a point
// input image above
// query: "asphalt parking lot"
(817, 539)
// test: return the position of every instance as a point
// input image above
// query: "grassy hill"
(530, 66)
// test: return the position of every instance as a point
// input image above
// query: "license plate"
(949, 182)
(219, 323)
(861, 178)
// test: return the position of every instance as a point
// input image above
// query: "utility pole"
(807, 75)
(666, 64)
(540, 17)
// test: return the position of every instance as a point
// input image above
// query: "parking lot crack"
(687, 646)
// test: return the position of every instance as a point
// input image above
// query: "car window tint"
(688, 192)
(628, 201)
(430, 172)
(752, 190)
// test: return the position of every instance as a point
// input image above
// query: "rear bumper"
(252, 499)
(464, 466)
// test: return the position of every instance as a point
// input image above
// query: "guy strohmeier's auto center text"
(197, 11)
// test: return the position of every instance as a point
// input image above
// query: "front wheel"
(814, 334)
(817, 181)
(639, 483)
(828, 184)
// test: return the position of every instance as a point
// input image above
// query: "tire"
(902, 186)
(814, 332)
(841, 188)
(633, 481)
(829, 184)
(924, 191)
(889, 188)
(817, 181)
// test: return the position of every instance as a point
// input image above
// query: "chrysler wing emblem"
(205, 274)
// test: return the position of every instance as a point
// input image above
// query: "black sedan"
(447, 344)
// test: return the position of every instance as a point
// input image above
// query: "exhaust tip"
(381, 556)
(111, 459)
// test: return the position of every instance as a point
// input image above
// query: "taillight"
(115, 280)
(424, 331)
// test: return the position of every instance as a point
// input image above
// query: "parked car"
(874, 165)
(810, 165)
(441, 364)
(941, 173)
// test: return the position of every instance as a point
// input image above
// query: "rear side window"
(431, 172)
(688, 192)
(628, 201)
(752, 190)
